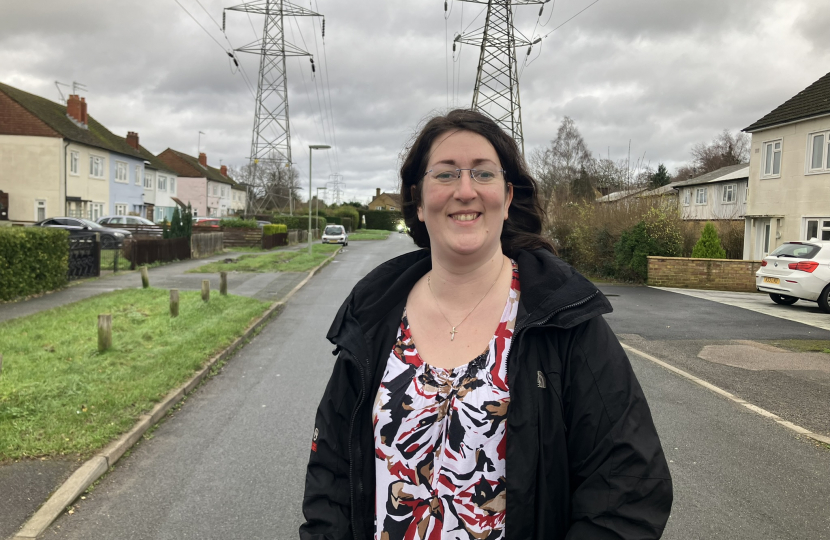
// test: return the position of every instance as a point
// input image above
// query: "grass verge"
(369, 234)
(802, 345)
(280, 261)
(59, 396)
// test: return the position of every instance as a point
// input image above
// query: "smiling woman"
(478, 392)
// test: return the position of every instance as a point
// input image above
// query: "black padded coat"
(583, 457)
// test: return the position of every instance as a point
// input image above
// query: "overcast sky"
(662, 74)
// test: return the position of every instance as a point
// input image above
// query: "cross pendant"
(452, 333)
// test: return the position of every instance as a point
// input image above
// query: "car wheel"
(345, 244)
(782, 299)
(824, 300)
(107, 242)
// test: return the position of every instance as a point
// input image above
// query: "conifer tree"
(176, 225)
(709, 246)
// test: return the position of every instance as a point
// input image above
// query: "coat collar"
(553, 294)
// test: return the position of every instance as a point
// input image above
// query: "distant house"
(159, 183)
(789, 172)
(58, 160)
(208, 190)
(385, 201)
(621, 195)
(717, 195)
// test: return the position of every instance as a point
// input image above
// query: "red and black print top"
(440, 441)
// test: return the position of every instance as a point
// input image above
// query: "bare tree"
(724, 150)
(271, 185)
(558, 166)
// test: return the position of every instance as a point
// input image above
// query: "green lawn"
(369, 234)
(59, 396)
(280, 261)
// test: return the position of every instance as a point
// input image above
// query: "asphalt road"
(230, 463)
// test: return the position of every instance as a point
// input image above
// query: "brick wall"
(16, 120)
(712, 274)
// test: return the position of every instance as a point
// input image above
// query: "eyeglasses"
(447, 176)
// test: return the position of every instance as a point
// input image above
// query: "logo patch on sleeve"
(314, 440)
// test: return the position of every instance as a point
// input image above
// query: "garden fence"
(141, 251)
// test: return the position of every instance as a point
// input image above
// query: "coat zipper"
(569, 306)
(351, 434)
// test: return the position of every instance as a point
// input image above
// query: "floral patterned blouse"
(440, 441)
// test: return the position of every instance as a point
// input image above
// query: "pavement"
(39, 478)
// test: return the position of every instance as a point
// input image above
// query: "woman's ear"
(413, 191)
(508, 199)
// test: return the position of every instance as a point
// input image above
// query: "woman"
(478, 392)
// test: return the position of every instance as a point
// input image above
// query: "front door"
(4, 206)
(150, 208)
(762, 239)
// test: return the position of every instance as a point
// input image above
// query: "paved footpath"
(269, 286)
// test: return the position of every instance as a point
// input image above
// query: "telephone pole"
(271, 138)
(496, 91)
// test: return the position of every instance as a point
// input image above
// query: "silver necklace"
(454, 326)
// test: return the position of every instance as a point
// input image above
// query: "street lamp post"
(318, 203)
(311, 148)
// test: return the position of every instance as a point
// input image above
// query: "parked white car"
(335, 234)
(797, 271)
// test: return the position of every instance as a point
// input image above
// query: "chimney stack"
(377, 192)
(73, 108)
(203, 159)
(224, 170)
(84, 118)
(132, 139)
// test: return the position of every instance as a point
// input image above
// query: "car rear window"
(334, 230)
(797, 251)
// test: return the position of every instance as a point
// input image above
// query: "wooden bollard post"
(174, 302)
(223, 283)
(104, 332)
(205, 290)
(145, 277)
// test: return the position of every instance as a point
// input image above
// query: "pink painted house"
(208, 190)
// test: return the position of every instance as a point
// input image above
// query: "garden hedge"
(268, 230)
(385, 220)
(32, 260)
(300, 223)
(236, 223)
(334, 220)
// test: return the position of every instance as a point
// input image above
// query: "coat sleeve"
(326, 503)
(621, 487)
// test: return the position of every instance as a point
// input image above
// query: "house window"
(40, 210)
(700, 195)
(161, 183)
(148, 180)
(687, 196)
(173, 186)
(772, 159)
(746, 193)
(729, 195)
(138, 175)
(73, 162)
(121, 172)
(391, 208)
(818, 228)
(818, 152)
(96, 210)
(214, 189)
(96, 167)
(120, 209)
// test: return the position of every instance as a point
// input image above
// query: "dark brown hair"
(523, 227)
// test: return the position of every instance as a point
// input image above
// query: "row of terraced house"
(57, 160)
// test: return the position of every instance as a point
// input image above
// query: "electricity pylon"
(496, 92)
(271, 139)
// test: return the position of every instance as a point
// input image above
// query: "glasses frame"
(472, 174)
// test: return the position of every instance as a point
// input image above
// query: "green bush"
(350, 213)
(268, 230)
(236, 223)
(385, 220)
(709, 246)
(657, 235)
(334, 220)
(300, 222)
(32, 260)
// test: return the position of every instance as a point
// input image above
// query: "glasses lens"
(444, 175)
(486, 176)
